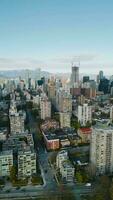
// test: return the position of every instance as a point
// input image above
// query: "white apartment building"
(65, 167)
(6, 162)
(67, 171)
(45, 106)
(26, 163)
(84, 114)
(65, 119)
(101, 150)
(17, 122)
(61, 156)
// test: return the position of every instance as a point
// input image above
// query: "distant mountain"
(24, 73)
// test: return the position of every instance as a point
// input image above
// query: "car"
(88, 184)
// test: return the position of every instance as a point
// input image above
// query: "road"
(42, 155)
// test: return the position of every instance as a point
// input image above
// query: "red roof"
(86, 130)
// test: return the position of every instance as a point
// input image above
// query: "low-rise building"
(85, 134)
(49, 124)
(65, 142)
(51, 141)
(56, 138)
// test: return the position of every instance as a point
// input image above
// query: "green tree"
(52, 157)
(102, 191)
(105, 181)
(93, 122)
(79, 177)
(98, 196)
(75, 124)
(29, 105)
(35, 112)
(37, 180)
(111, 191)
(13, 174)
(88, 124)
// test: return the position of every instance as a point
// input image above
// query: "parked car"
(88, 184)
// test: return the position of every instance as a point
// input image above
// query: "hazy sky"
(53, 33)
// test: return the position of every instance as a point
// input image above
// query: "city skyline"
(52, 35)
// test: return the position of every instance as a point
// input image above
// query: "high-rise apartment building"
(84, 114)
(52, 90)
(65, 119)
(63, 101)
(101, 151)
(45, 106)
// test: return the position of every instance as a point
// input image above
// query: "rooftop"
(8, 152)
(103, 125)
(86, 130)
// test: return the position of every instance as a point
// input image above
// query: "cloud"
(75, 58)
(10, 64)
(89, 63)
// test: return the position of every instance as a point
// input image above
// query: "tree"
(102, 191)
(111, 191)
(37, 180)
(79, 177)
(98, 196)
(105, 181)
(13, 173)
(35, 112)
(29, 104)
(93, 122)
(52, 157)
(88, 124)
(75, 124)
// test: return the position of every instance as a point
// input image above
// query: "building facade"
(26, 163)
(65, 119)
(74, 75)
(6, 162)
(45, 106)
(65, 167)
(101, 151)
(16, 123)
(84, 114)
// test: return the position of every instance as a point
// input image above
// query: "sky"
(53, 34)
